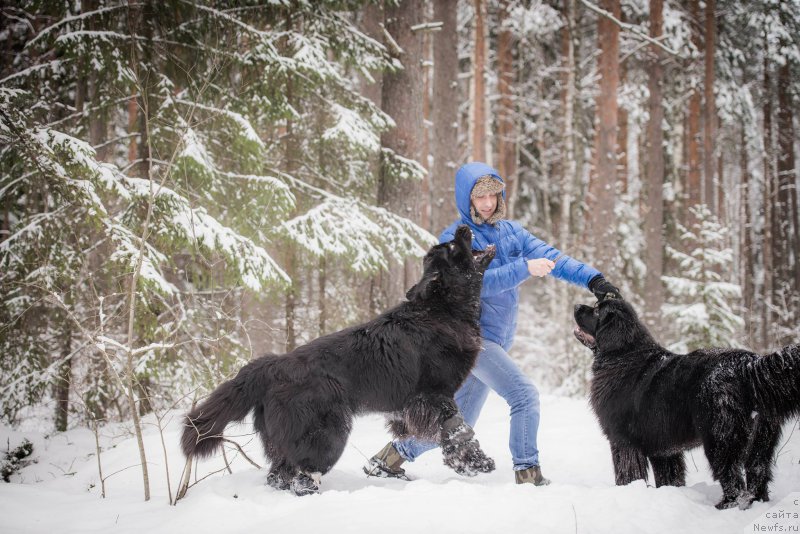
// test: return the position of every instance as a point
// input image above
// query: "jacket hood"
(466, 177)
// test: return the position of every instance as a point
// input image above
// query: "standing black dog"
(654, 404)
(408, 362)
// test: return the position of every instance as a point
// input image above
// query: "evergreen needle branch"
(632, 28)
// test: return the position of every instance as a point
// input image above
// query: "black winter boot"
(461, 451)
(386, 464)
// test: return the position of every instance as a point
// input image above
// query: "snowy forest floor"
(60, 492)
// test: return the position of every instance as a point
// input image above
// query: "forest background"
(186, 185)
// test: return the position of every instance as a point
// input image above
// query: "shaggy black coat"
(653, 404)
(409, 361)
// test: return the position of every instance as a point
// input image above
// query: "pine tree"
(185, 203)
(701, 304)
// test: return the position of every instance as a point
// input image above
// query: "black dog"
(654, 404)
(409, 362)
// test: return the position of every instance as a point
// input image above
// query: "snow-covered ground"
(61, 491)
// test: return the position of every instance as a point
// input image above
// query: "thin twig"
(226, 440)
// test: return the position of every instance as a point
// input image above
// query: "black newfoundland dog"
(653, 404)
(408, 362)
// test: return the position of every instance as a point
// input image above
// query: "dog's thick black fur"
(653, 404)
(408, 362)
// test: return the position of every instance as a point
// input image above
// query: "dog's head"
(611, 324)
(452, 262)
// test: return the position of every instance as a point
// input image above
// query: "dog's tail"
(776, 382)
(232, 401)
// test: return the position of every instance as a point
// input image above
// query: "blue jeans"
(496, 370)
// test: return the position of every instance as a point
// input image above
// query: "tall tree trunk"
(694, 186)
(747, 255)
(785, 261)
(506, 116)
(709, 161)
(601, 219)
(568, 163)
(290, 165)
(99, 116)
(654, 212)
(427, 63)
(402, 100)
(787, 169)
(622, 135)
(64, 383)
(323, 286)
(769, 221)
(479, 152)
(444, 115)
(371, 23)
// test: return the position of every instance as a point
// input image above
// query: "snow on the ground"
(61, 491)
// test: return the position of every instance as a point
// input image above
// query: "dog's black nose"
(577, 307)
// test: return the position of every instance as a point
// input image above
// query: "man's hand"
(602, 289)
(540, 267)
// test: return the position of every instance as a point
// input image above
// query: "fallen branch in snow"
(226, 440)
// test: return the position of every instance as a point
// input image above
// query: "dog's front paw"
(467, 459)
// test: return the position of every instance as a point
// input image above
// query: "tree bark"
(290, 165)
(444, 116)
(654, 211)
(786, 219)
(769, 221)
(427, 63)
(506, 115)
(747, 255)
(478, 137)
(710, 130)
(601, 219)
(568, 163)
(323, 286)
(402, 100)
(694, 175)
(64, 384)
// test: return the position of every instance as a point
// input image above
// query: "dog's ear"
(425, 287)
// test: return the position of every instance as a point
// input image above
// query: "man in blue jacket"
(480, 198)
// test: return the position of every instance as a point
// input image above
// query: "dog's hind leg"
(724, 449)
(758, 457)
(629, 464)
(319, 447)
(669, 470)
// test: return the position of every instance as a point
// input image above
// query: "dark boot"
(531, 475)
(461, 451)
(386, 464)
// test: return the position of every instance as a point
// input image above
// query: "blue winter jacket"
(515, 245)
